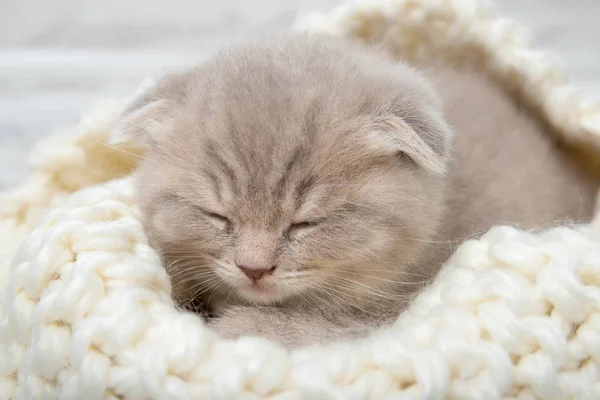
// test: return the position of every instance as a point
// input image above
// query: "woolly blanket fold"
(85, 307)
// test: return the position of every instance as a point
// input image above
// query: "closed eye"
(222, 220)
(216, 216)
(298, 227)
(302, 225)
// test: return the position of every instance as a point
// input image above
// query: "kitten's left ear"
(149, 117)
(426, 140)
(144, 122)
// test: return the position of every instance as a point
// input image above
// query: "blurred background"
(58, 56)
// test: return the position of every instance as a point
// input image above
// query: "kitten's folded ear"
(144, 122)
(148, 118)
(425, 140)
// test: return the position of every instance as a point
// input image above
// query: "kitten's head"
(298, 167)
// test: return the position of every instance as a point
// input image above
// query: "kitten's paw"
(236, 322)
(227, 328)
(249, 321)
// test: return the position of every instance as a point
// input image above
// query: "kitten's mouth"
(258, 287)
(266, 291)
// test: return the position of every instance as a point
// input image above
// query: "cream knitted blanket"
(85, 311)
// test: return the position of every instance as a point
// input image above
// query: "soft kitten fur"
(335, 165)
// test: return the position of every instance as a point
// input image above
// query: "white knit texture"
(85, 310)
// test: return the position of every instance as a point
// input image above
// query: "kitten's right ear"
(426, 141)
(144, 122)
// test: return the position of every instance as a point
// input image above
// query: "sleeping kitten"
(304, 188)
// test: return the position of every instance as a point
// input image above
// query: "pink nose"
(256, 273)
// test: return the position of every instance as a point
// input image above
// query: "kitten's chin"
(260, 294)
(264, 293)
